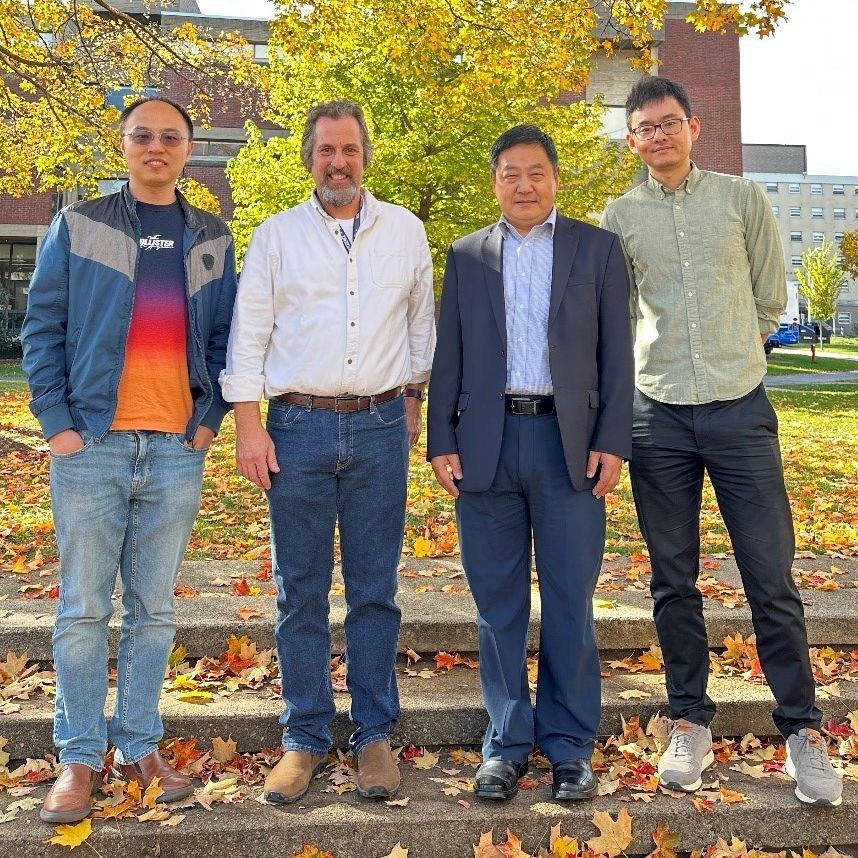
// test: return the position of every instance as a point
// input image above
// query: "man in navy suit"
(529, 421)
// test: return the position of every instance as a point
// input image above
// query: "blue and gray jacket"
(79, 313)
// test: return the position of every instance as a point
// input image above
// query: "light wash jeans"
(127, 502)
(349, 469)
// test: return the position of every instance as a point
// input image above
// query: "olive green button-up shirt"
(707, 277)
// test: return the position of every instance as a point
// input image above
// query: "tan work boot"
(70, 797)
(291, 777)
(378, 774)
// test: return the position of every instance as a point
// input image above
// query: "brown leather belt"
(341, 404)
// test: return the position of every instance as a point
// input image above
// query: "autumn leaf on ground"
(427, 761)
(153, 793)
(633, 694)
(197, 697)
(730, 796)
(509, 848)
(562, 847)
(398, 802)
(445, 661)
(665, 842)
(223, 750)
(614, 834)
(250, 613)
(71, 835)
(397, 851)
(310, 851)
(412, 656)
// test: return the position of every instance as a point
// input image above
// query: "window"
(795, 236)
(838, 190)
(776, 210)
(795, 261)
(816, 189)
(816, 212)
(794, 188)
(818, 237)
(839, 214)
(117, 97)
(795, 211)
(17, 261)
(838, 237)
(772, 187)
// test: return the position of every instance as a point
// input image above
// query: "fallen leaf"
(614, 834)
(71, 835)
(397, 851)
(633, 694)
(223, 750)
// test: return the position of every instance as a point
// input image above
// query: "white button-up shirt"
(311, 317)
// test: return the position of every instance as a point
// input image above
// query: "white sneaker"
(808, 765)
(688, 754)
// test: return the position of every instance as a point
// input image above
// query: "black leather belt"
(342, 404)
(521, 403)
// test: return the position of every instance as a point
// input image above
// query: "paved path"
(810, 378)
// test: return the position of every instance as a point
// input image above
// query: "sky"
(799, 86)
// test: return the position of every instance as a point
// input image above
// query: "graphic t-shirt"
(155, 391)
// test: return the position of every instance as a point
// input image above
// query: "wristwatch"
(414, 393)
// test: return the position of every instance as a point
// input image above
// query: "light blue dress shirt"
(527, 267)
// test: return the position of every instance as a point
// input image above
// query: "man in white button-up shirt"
(334, 316)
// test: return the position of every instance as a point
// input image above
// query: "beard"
(337, 197)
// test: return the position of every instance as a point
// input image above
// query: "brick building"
(707, 64)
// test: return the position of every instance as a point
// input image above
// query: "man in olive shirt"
(707, 287)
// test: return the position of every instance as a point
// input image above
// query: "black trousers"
(736, 442)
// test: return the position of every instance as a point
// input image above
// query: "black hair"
(123, 117)
(649, 89)
(522, 134)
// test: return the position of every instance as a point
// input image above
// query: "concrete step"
(446, 709)
(435, 825)
(433, 620)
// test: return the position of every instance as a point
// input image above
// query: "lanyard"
(347, 242)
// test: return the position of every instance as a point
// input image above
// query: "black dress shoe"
(498, 779)
(574, 780)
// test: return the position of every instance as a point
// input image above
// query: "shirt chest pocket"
(724, 244)
(391, 271)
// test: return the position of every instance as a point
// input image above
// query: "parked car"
(785, 335)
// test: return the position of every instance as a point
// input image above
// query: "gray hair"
(337, 109)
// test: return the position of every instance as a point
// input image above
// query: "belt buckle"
(523, 405)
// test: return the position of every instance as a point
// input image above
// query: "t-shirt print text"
(155, 242)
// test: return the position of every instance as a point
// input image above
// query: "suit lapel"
(492, 253)
(565, 245)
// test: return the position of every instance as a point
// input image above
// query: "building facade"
(809, 210)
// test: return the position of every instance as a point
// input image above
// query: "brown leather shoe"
(69, 799)
(175, 784)
(291, 777)
(378, 774)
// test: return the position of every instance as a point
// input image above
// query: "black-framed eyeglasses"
(144, 137)
(669, 127)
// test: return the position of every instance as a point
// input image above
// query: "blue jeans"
(127, 501)
(351, 470)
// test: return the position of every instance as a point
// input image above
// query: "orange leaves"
(310, 851)
(665, 842)
(508, 848)
(614, 834)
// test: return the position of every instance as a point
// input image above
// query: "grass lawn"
(11, 369)
(782, 361)
(843, 345)
(818, 442)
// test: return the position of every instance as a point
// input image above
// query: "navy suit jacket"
(589, 350)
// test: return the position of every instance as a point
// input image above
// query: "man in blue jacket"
(125, 335)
